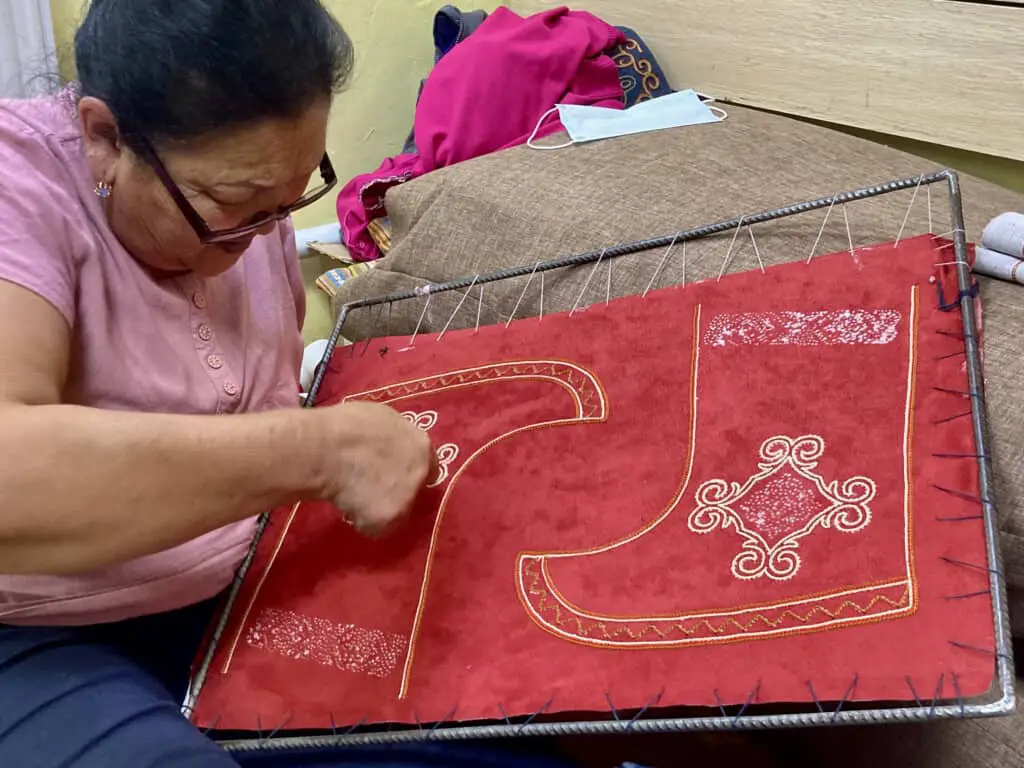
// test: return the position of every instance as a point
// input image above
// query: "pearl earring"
(103, 190)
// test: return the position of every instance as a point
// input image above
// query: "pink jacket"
(487, 94)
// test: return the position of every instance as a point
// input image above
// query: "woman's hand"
(382, 463)
(191, 473)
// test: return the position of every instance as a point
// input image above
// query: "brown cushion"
(521, 206)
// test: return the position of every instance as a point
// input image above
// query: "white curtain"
(28, 58)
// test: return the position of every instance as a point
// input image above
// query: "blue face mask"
(673, 110)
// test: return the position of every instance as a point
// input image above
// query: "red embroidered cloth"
(759, 486)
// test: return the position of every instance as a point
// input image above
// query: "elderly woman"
(150, 309)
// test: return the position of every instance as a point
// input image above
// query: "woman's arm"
(81, 488)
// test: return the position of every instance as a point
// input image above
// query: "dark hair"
(172, 70)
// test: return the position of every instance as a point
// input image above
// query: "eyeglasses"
(209, 236)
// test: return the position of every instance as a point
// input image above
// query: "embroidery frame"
(1000, 699)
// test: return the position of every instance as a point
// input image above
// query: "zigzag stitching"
(569, 375)
(703, 624)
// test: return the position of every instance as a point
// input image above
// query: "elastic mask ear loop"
(529, 141)
(718, 112)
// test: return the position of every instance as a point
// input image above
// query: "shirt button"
(214, 361)
(230, 388)
(205, 332)
(199, 300)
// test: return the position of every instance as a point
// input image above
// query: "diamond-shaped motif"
(779, 505)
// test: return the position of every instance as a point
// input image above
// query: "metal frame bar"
(1001, 700)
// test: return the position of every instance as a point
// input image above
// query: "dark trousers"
(108, 696)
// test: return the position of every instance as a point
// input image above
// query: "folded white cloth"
(995, 264)
(1005, 234)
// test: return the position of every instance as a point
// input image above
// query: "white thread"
(928, 189)
(849, 235)
(951, 244)
(541, 315)
(521, 295)
(587, 283)
(757, 251)
(906, 216)
(479, 307)
(419, 323)
(684, 263)
(821, 230)
(457, 308)
(661, 264)
(732, 243)
(608, 290)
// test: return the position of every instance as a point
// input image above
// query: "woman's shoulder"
(41, 209)
(40, 154)
(42, 124)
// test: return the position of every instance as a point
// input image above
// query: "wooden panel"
(941, 71)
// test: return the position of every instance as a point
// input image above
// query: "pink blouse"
(221, 345)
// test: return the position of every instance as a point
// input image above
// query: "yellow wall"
(66, 14)
(394, 51)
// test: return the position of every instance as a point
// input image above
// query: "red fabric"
(487, 94)
(612, 434)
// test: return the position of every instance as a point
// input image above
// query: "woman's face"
(229, 178)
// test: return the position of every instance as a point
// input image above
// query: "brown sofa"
(520, 206)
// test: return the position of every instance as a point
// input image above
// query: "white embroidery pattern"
(804, 329)
(447, 453)
(342, 646)
(779, 505)
(424, 421)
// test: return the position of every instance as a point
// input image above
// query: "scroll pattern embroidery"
(636, 72)
(777, 507)
(446, 452)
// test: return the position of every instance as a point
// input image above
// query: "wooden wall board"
(947, 72)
